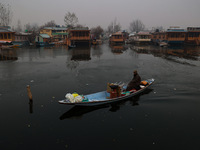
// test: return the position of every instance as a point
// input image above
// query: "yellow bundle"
(144, 82)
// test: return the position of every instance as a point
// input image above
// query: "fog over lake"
(91, 13)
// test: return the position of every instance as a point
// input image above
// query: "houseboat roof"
(143, 33)
(80, 29)
(193, 28)
(6, 30)
(22, 33)
(65, 33)
(56, 28)
(132, 34)
(176, 30)
(44, 36)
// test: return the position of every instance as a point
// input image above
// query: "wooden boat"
(71, 46)
(8, 45)
(105, 97)
(163, 44)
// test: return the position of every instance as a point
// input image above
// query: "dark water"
(167, 116)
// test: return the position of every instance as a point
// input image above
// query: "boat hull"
(104, 101)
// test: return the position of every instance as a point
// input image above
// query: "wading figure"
(135, 82)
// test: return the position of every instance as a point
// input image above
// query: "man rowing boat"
(135, 82)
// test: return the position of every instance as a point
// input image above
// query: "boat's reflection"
(79, 111)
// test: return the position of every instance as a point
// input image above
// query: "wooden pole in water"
(29, 92)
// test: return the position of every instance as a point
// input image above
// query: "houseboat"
(78, 36)
(142, 38)
(6, 37)
(117, 38)
(57, 34)
(22, 39)
(158, 37)
(6, 34)
(193, 36)
(175, 35)
(43, 40)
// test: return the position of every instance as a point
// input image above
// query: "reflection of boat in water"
(81, 54)
(8, 54)
(118, 49)
(79, 111)
(163, 44)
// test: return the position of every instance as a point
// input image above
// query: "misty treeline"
(5, 14)
(70, 20)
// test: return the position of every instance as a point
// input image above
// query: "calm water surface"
(166, 116)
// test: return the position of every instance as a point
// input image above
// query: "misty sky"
(91, 13)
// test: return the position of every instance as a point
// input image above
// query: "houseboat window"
(190, 34)
(9, 36)
(5, 36)
(196, 34)
(1, 36)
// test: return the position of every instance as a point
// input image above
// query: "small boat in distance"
(8, 45)
(106, 97)
(71, 46)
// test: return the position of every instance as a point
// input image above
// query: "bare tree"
(33, 29)
(70, 19)
(5, 14)
(19, 26)
(114, 27)
(97, 31)
(51, 23)
(136, 26)
(80, 26)
(158, 28)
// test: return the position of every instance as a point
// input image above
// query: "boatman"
(135, 82)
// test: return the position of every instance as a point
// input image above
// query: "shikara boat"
(105, 97)
(8, 45)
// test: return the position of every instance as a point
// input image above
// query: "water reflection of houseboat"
(118, 49)
(81, 54)
(186, 52)
(96, 41)
(8, 54)
(145, 49)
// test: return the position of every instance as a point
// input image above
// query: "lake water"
(166, 116)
